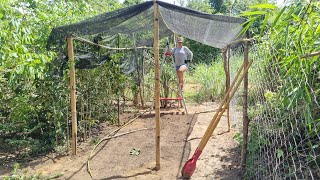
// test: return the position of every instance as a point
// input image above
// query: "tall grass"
(211, 79)
(285, 105)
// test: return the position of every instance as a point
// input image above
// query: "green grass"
(209, 81)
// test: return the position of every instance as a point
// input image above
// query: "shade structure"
(213, 30)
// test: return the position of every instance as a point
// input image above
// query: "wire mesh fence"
(284, 116)
(236, 59)
(284, 126)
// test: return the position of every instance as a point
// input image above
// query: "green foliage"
(135, 152)
(131, 2)
(99, 7)
(259, 14)
(232, 7)
(17, 174)
(149, 85)
(293, 81)
(168, 80)
(200, 5)
(94, 141)
(255, 142)
(34, 88)
(292, 33)
(99, 87)
(202, 53)
(211, 79)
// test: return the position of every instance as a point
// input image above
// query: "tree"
(200, 5)
(131, 2)
(218, 6)
(233, 7)
(32, 91)
(99, 6)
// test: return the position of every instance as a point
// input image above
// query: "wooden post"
(82, 121)
(173, 61)
(226, 65)
(67, 135)
(141, 86)
(157, 80)
(119, 92)
(228, 85)
(72, 95)
(87, 117)
(245, 109)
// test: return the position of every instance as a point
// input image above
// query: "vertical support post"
(227, 72)
(228, 85)
(67, 135)
(173, 61)
(142, 84)
(87, 117)
(72, 95)
(245, 109)
(118, 91)
(157, 80)
(141, 89)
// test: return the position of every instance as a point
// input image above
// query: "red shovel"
(190, 166)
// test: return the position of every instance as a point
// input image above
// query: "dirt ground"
(180, 135)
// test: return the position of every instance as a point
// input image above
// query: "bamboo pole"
(118, 45)
(228, 85)
(216, 119)
(67, 135)
(157, 81)
(142, 84)
(226, 65)
(81, 122)
(72, 95)
(173, 61)
(87, 116)
(135, 92)
(106, 47)
(245, 109)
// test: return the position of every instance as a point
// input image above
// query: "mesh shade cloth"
(214, 30)
(120, 21)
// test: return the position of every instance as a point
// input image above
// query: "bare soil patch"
(180, 135)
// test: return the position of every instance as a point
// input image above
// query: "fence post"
(72, 95)
(119, 64)
(157, 81)
(245, 109)
(226, 57)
